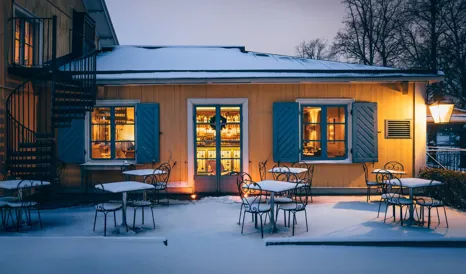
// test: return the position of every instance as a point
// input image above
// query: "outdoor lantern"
(441, 111)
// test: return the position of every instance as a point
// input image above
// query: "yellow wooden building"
(218, 109)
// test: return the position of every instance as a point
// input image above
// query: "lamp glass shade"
(441, 112)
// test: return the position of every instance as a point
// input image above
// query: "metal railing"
(450, 158)
(31, 41)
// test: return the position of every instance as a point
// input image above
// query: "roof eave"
(270, 80)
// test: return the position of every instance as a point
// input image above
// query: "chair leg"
(401, 215)
(114, 217)
(428, 218)
(153, 219)
(368, 195)
(294, 219)
(95, 219)
(262, 226)
(386, 209)
(142, 211)
(438, 215)
(446, 219)
(242, 225)
(394, 215)
(134, 218)
(305, 215)
(18, 218)
(380, 203)
(240, 212)
(28, 216)
(40, 219)
(255, 220)
(284, 217)
(105, 224)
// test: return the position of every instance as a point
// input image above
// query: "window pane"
(100, 133)
(311, 114)
(101, 115)
(17, 52)
(17, 29)
(124, 150)
(312, 149)
(124, 115)
(100, 150)
(336, 149)
(335, 115)
(124, 133)
(336, 132)
(312, 132)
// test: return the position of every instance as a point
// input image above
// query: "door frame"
(245, 128)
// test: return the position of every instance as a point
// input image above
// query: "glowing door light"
(441, 111)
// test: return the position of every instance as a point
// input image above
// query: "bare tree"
(315, 49)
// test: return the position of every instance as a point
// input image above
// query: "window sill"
(346, 161)
(108, 162)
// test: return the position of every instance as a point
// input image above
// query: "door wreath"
(223, 122)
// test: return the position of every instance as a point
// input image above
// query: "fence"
(450, 158)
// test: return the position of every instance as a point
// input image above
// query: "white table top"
(13, 184)
(414, 182)
(378, 170)
(125, 186)
(295, 170)
(144, 172)
(275, 186)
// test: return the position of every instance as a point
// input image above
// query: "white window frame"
(87, 121)
(321, 101)
(18, 8)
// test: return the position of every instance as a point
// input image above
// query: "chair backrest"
(26, 186)
(394, 165)
(283, 176)
(394, 189)
(126, 167)
(240, 178)
(251, 194)
(382, 178)
(366, 172)
(284, 169)
(303, 175)
(263, 170)
(301, 194)
(162, 178)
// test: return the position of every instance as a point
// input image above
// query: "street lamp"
(441, 111)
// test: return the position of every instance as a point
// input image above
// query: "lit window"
(112, 133)
(324, 132)
(26, 32)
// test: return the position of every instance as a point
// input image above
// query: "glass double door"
(218, 147)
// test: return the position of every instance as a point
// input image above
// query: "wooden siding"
(392, 104)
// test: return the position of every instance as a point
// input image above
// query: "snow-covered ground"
(203, 237)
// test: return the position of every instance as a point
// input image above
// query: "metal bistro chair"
(4, 199)
(106, 208)
(283, 169)
(394, 197)
(306, 176)
(127, 167)
(252, 195)
(161, 180)
(430, 201)
(300, 196)
(369, 184)
(287, 196)
(24, 203)
(384, 189)
(240, 178)
(139, 201)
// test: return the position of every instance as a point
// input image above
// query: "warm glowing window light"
(441, 111)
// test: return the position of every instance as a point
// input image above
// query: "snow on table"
(144, 172)
(13, 184)
(294, 170)
(414, 182)
(274, 186)
(125, 186)
(378, 170)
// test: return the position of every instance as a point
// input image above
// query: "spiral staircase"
(58, 90)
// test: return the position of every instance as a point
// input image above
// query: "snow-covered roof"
(191, 63)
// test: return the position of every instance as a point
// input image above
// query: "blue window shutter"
(148, 130)
(365, 142)
(285, 132)
(71, 143)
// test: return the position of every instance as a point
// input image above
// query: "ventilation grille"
(398, 129)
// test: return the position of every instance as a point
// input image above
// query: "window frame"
(325, 103)
(88, 125)
(37, 37)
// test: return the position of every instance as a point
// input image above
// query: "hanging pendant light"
(441, 111)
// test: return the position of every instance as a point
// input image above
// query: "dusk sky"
(272, 26)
